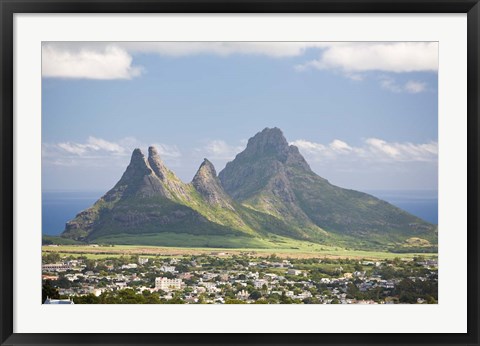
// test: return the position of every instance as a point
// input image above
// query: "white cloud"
(413, 87)
(103, 61)
(111, 62)
(92, 145)
(167, 151)
(101, 144)
(339, 145)
(383, 56)
(100, 152)
(100, 60)
(220, 150)
(389, 84)
(308, 146)
(271, 49)
(372, 150)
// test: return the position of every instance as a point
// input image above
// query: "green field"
(170, 245)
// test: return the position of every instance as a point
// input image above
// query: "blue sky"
(363, 114)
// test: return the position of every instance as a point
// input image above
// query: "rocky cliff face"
(267, 189)
(150, 198)
(139, 179)
(273, 177)
(175, 187)
(209, 187)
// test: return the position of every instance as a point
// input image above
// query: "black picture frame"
(10, 7)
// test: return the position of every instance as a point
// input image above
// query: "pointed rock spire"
(208, 185)
(206, 169)
(138, 167)
(156, 163)
(173, 184)
(138, 179)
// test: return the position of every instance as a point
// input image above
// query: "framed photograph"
(239, 172)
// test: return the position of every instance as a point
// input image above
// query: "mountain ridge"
(267, 190)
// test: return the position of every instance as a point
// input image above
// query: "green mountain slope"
(149, 198)
(272, 177)
(267, 191)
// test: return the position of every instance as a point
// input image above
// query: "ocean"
(421, 203)
(58, 207)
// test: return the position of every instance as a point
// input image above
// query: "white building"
(56, 267)
(210, 286)
(142, 260)
(130, 266)
(294, 272)
(243, 295)
(58, 301)
(259, 283)
(121, 284)
(166, 284)
(168, 269)
(304, 295)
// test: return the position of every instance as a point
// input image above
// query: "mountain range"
(267, 192)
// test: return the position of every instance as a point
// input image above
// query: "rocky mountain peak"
(270, 141)
(138, 179)
(206, 177)
(208, 185)
(267, 189)
(295, 159)
(138, 167)
(175, 187)
(207, 169)
(156, 163)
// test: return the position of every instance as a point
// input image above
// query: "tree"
(87, 299)
(311, 300)
(90, 264)
(234, 301)
(51, 257)
(358, 267)
(151, 298)
(63, 282)
(48, 291)
(285, 300)
(255, 295)
(261, 301)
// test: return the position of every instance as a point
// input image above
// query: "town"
(223, 278)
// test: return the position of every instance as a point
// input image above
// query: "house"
(186, 276)
(143, 260)
(191, 300)
(166, 284)
(294, 272)
(58, 301)
(56, 267)
(243, 295)
(259, 283)
(130, 266)
(304, 295)
(49, 277)
(167, 269)
(210, 286)
(359, 274)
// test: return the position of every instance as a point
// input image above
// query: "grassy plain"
(281, 247)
